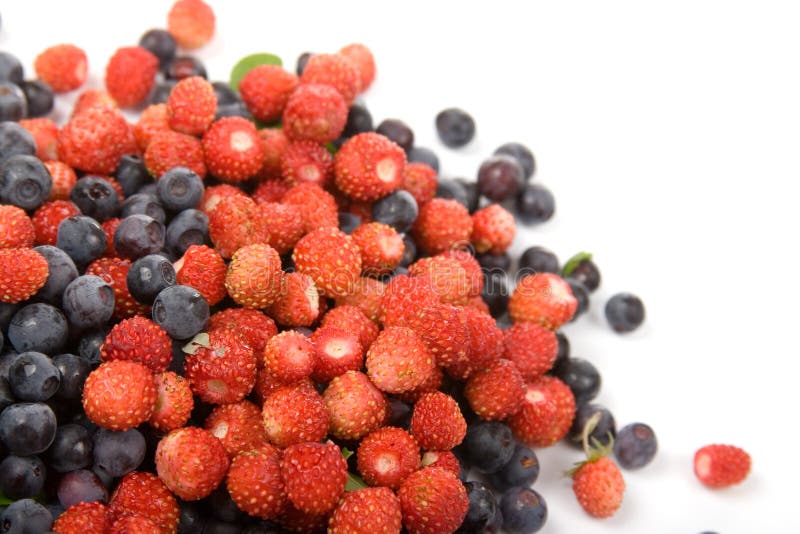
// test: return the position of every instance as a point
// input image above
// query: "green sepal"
(574, 261)
(247, 63)
(4, 501)
(354, 482)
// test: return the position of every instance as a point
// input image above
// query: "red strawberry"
(331, 258)
(203, 268)
(17, 229)
(222, 371)
(45, 222)
(265, 385)
(367, 511)
(265, 89)
(403, 296)
(152, 121)
(298, 302)
(493, 229)
(317, 207)
(120, 395)
(271, 191)
(295, 413)
(314, 112)
(442, 224)
(495, 392)
(599, 486)
(542, 298)
(174, 403)
(444, 459)
(381, 248)
(255, 482)
(191, 105)
(134, 524)
(362, 59)
(144, 495)
(273, 143)
(315, 475)
(289, 356)
(232, 149)
(172, 149)
(485, 343)
(720, 466)
(64, 179)
(352, 319)
(449, 279)
(336, 352)
(369, 166)
(45, 133)
(140, 340)
(23, 272)
(91, 98)
(95, 140)
(130, 73)
(387, 456)
(433, 500)
(355, 405)
(306, 161)
(444, 329)
(115, 272)
(282, 222)
(366, 295)
(254, 276)
(191, 23)
(110, 227)
(238, 426)
(545, 415)
(361, 209)
(531, 347)
(335, 70)
(399, 361)
(231, 224)
(63, 67)
(84, 518)
(255, 327)
(437, 423)
(212, 196)
(430, 385)
(191, 462)
(419, 179)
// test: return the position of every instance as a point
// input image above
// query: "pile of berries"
(252, 311)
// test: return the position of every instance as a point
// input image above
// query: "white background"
(669, 135)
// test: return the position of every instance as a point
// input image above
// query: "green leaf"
(347, 453)
(354, 482)
(200, 340)
(247, 63)
(4, 501)
(574, 261)
(331, 148)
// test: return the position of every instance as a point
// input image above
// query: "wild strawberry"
(479, 304)
(298, 302)
(16, 228)
(471, 266)
(314, 112)
(295, 413)
(361, 209)
(134, 524)
(45, 133)
(203, 268)
(273, 143)
(352, 319)
(531, 347)
(399, 361)
(130, 73)
(45, 222)
(381, 248)
(362, 59)
(542, 298)
(222, 371)
(282, 223)
(191, 462)
(336, 352)
(140, 340)
(720, 466)
(317, 207)
(546, 414)
(306, 161)
(115, 272)
(265, 385)
(191, 106)
(442, 224)
(335, 70)
(485, 343)
(403, 296)
(152, 121)
(433, 500)
(315, 475)
(289, 357)
(367, 511)
(254, 276)
(191, 23)
(387, 456)
(437, 422)
(174, 403)
(95, 140)
(493, 229)
(495, 392)
(366, 295)
(84, 518)
(255, 483)
(231, 224)
(444, 459)
(433, 383)
(254, 327)
(109, 227)
(64, 179)
(63, 67)
(232, 149)
(355, 405)
(144, 495)
(23, 272)
(91, 98)
(419, 179)
(448, 278)
(331, 258)
(271, 191)
(265, 89)
(444, 329)
(120, 395)
(215, 194)
(369, 166)
(238, 426)
(599, 486)
(172, 149)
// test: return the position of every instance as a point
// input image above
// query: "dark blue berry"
(189, 227)
(635, 446)
(225, 95)
(399, 413)
(61, 271)
(603, 432)
(10, 68)
(22, 477)
(131, 174)
(537, 260)
(455, 127)
(399, 210)
(302, 60)
(25, 516)
(160, 43)
(421, 154)
(535, 204)
(159, 94)
(24, 182)
(624, 312)
(81, 485)
(500, 177)
(6, 399)
(13, 106)
(71, 449)
(88, 302)
(27, 428)
(7, 311)
(118, 453)
(38, 327)
(488, 445)
(522, 154)
(33, 377)
(191, 518)
(215, 526)
(524, 511)
(410, 251)
(581, 294)
(181, 311)
(348, 222)
(454, 190)
(482, 508)
(236, 109)
(74, 371)
(521, 470)
(181, 67)
(143, 204)
(263, 527)
(494, 263)
(495, 293)
(359, 120)
(15, 140)
(179, 188)
(39, 96)
(473, 194)
(397, 131)
(582, 378)
(563, 354)
(95, 197)
(138, 235)
(223, 507)
(148, 276)
(582, 268)
(82, 238)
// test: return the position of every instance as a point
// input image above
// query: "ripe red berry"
(493, 229)
(399, 361)
(224, 370)
(273, 143)
(720, 466)
(231, 224)
(45, 133)
(542, 298)
(444, 329)
(442, 224)
(120, 395)
(485, 343)
(152, 121)
(450, 281)
(306, 161)
(140, 340)
(387, 456)
(174, 403)
(335, 70)
(315, 475)
(64, 179)
(599, 487)
(170, 149)
(255, 483)
(45, 222)
(295, 413)
(336, 352)
(403, 296)
(331, 258)
(362, 59)
(314, 112)
(289, 357)
(317, 207)
(437, 423)
(203, 268)
(369, 166)
(254, 327)
(367, 511)
(254, 276)
(191, 23)
(130, 73)
(433, 500)
(444, 459)
(381, 248)
(115, 271)
(495, 392)
(95, 140)
(191, 462)
(546, 414)
(238, 426)
(232, 149)
(84, 518)
(366, 296)
(23, 272)
(191, 105)
(352, 319)
(283, 224)
(265, 89)
(532, 348)
(63, 67)
(144, 495)
(355, 405)
(16, 228)
(419, 179)
(134, 524)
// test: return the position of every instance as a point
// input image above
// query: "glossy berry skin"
(33, 377)
(583, 379)
(38, 327)
(95, 197)
(586, 272)
(160, 43)
(25, 516)
(359, 120)
(538, 260)
(636, 446)
(24, 180)
(581, 294)
(148, 276)
(61, 271)
(524, 511)
(118, 452)
(521, 470)
(179, 188)
(13, 106)
(522, 154)
(10, 68)
(131, 174)
(181, 311)
(398, 131)
(82, 238)
(454, 190)
(535, 204)
(88, 301)
(455, 127)
(71, 449)
(181, 67)
(81, 486)
(421, 154)
(500, 177)
(27, 428)
(39, 96)
(488, 446)
(138, 235)
(624, 312)
(604, 432)
(14, 140)
(482, 508)
(22, 477)
(398, 210)
(144, 204)
(73, 370)
(187, 228)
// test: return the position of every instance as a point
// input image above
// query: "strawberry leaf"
(247, 63)
(347, 453)
(4, 501)
(198, 341)
(573, 263)
(354, 482)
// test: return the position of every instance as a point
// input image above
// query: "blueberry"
(159, 94)
(6, 399)
(482, 508)
(82, 238)
(27, 427)
(424, 155)
(131, 174)
(189, 227)
(473, 194)
(624, 312)
(38, 327)
(537, 260)
(13, 106)
(302, 60)
(563, 354)
(500, 177)
(179, 188)
(488, 445)
(522, 154)
(33, 377)
(225, 94)
(535, 204)
(215, 526)
(15, 140)
(137, 236)
(521, 470)
(236, 109)
(160, 43)
(454, 190)
(22, 477)
(181, 67)
(81, 485)
(582, 268)
(181, 311)
(118, 453)
(148, 276)
(263, 527)
(495, 293)
(89, 345)
(524, 511)
(603, 432)
(494, 263)
(348, 222)
(455, 127)
(10, 68)
(24, 181)
(397, 131)
(399, 210)
(359, 120)
(71, 449)
(39, 96)
(88, 301)
(95, 197)
(25, 516)
(635, 446)
(223, 507)
(582, 378)
(581, 294)
(61, 271)
(73, 370)
(410, 251)
(191, 518)
(7, 311)
(143, 204)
